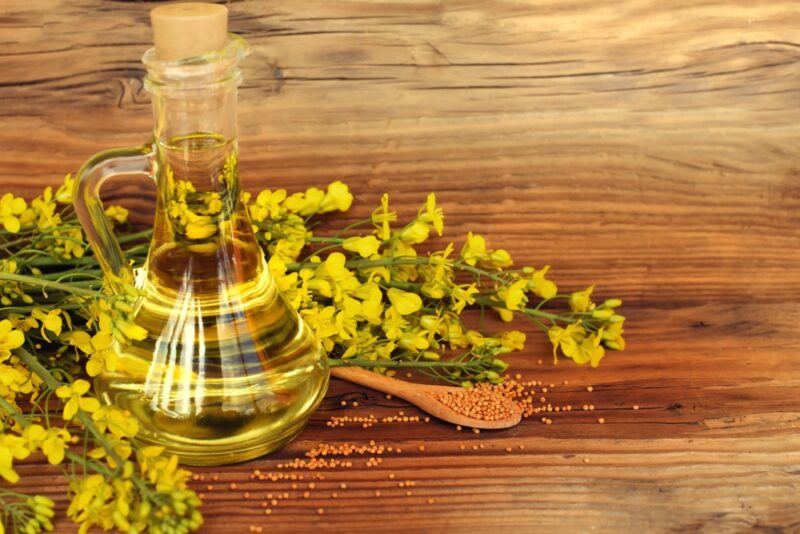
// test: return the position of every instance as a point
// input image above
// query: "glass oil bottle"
(228, 371)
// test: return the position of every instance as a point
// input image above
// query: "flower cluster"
(375, 299)
(376, 293)
(56, 322)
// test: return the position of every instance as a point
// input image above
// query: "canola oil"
(228, 370)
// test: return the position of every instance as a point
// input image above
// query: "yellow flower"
(365, 246)
(513, 296)
(414, 233)
(474, 249)
(580, 301)
(413, 341)
(462, 296)
(393, 323)
(11, 447)
(404, 302)
(305, 204)
(511, 340)
(10, 338)
(73, 395)
(321, 321)
(64, 191)
(371, 302)
(590, 350)
(496, 259)
(199, 226)
(44, 207)
(117, 213)
(119, 423)
(103, 358)
(381, 218)
(51, 320)
(52, 441)
(432, 215)
(337, 198)
(10, 209)
(346, 319)
(90, 503)
(538, 284)
(611, 334)
(567, 339)
(268, 205)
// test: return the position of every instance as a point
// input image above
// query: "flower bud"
(617, 318)
(430, 355)
(612, 303)
(127, 470)
(600, 313)
(43, 511)
(466, 384)
(499, 364)
(45, 501)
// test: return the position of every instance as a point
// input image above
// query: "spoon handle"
(372, 380)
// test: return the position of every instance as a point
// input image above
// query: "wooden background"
(650, 147)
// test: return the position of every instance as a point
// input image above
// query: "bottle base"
(203, 454)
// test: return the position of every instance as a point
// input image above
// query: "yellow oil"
(228, 371)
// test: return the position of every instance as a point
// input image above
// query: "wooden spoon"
(423, 396)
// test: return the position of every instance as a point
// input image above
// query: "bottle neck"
(209, 111)
(196, 95)
(194, 105)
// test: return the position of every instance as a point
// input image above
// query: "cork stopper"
(188, 29)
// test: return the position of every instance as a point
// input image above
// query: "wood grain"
(648, 147)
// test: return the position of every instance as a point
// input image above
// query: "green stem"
(47, 284)
(486, 300)
(337, 240)
(84, 261)
(136, 236)
(53, 383)
(397, 364)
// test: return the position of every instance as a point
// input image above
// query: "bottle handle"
(89, 209)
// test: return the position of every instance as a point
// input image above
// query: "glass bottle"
(228, 371)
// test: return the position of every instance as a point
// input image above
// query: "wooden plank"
(650, 148)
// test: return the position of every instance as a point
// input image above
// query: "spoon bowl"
(425, 397)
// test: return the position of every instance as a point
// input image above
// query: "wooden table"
(648, 147)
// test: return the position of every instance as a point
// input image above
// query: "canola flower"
(374, 292)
